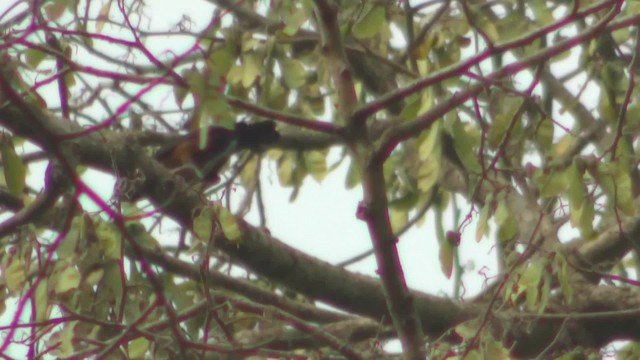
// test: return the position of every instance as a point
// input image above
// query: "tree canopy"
(519, 117)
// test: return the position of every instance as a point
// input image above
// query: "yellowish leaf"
(446, 256)
(398, 219)
(103, 16)
(15, 275)
(316, 164)
(286, 165)
(229, 224)
(67, 280)
(203, 224)
(55, 9)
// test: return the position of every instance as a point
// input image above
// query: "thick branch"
(334, 52)
(375, 212)
(256, 250)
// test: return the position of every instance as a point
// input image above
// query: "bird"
(195, 161)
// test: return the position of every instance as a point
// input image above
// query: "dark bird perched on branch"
(193, 160)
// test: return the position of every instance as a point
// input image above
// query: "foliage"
(519, 116)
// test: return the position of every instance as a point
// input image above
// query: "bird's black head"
(256, 135)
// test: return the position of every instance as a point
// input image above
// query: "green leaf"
(69, 245)
(214, 108)
(249, 43)
(286, 167)
(294, 73)
(410, 110)
(94, 277)
(545, 292)
(110, 285)
(544, 135)
(235, 75)
(632, 124)
(41, 301)
(541, 12)
(428, 173)
(623, 190)
(370, 24)
(554, 184)
(583, 219)
(220, 62)
(15, 172)
(576, 191)
(482, 228)
(179, 94)
(33, 57)
(580, 204)
(494, 349)
(446, 256)
(490, 29)
(195, 80)
(137, 348)
(110, 240)
(203, 224)
(613, 77)
(353, 176)
(564, 277)
(294, 22)
(313, 100)
(398, 218)
(606, 110)
(277, 96)
(467, 329)
(507, 226)
(464, 147)
(62, 340)
(404, 203)
(530, 282)
(251, 69)
(142, 237)
(563, 145)
(508, 108)
(430, 141)
(473, 355)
